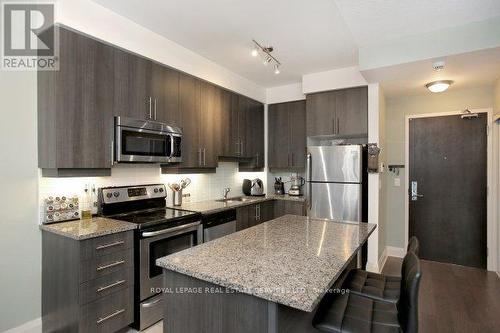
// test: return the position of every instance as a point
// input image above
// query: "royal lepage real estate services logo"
(29, 38)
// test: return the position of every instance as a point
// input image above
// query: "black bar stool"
(355, 313)
(378, 286)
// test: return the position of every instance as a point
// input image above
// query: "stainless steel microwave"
(146, 141)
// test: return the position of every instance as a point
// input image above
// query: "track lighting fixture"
(267, 57)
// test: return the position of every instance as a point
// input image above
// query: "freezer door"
(341, 202)
(340, 164)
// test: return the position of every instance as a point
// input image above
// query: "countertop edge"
(126, 226)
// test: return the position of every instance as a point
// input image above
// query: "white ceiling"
(308, 36)
(466, 70)
(376, 21)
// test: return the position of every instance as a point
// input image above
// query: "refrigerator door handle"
(308, 177)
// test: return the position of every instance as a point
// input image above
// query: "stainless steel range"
(161, 231)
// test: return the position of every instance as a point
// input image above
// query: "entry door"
(448, 167)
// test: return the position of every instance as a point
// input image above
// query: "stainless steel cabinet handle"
(155, 109)
(169, 230)
(292, 160)
(150, 106)
(333, 125)
(241, 150)
(257, 159)
(338, 126)
(199, 156)
(113, 264)
(117, 283)
(114, 314)
(204, 157)
(152, 303)
(237, 147)
(112, 152)
(105, 246)
(308, 177)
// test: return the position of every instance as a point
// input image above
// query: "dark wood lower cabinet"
(284, 207)
(251, 215)
(83, 287)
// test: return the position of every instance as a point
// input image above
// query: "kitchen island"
(268, 278)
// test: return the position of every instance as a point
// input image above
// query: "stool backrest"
(408, 299)
(413, 245)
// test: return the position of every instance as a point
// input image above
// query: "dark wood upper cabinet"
(341, 113)
(190, 106)
(230, 146)
(351, 109)
(320, 114)
(165, 94)
(96, 82)
(210, 124)
(75, 104)
(287, 135)
(132, 86)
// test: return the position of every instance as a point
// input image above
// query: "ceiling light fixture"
(438, 86)
(268, 58)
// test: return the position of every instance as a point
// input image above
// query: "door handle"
(338, 126)
(414, 191)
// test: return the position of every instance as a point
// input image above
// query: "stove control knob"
(156, 190)
(116, 194)
(161, 190)
(109, 195)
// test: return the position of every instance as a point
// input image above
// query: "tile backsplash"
(202, 187)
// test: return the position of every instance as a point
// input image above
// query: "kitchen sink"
(236, 199)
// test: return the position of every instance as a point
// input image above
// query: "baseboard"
(34, 326)
(372, 267)
(397, 252)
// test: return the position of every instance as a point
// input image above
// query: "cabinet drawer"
(106, 285)
(104, 245)
(108, 314)
(103, 265)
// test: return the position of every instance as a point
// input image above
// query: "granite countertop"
(212, 206)
(291, 260)
(88, 228)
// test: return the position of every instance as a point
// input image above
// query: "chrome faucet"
(226, 191)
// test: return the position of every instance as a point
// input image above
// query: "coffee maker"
(297, 184)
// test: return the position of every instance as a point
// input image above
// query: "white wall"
(286, 93)
(333, 79)
(104, 24)
(20, 246)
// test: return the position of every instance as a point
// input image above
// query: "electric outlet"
(397, 182)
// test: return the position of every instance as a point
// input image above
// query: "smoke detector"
(438, 65)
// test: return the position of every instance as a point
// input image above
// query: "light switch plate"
(397, 182)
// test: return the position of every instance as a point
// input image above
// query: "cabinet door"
(266, 211)
(83, 103)
(279, 208)
(132, 86)
(294, 207)
(189, 106)
(244, 130)
(229, 124)
(210, 124)
(297, 142)
(320, 114)
(242, 218)
(165, 93)
(351, 109)
(251, 128)
(279, 136)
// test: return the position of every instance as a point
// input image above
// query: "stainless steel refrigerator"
(336, 182)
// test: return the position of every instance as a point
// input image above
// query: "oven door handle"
(169, 230)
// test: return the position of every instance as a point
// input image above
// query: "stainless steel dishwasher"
(218, 224)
